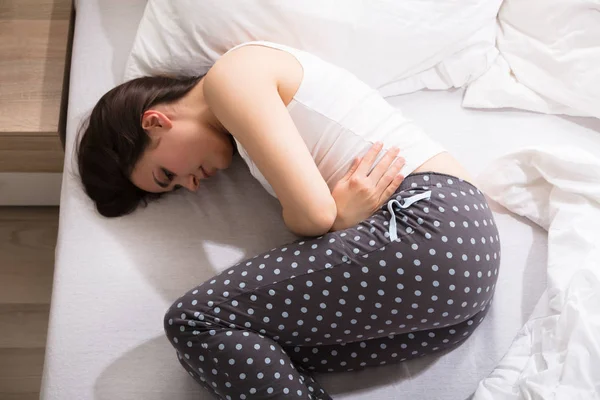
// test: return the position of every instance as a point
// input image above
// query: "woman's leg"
(248, 331)
(284, 385)
(390, 349)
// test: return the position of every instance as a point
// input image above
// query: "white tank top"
(339, 117)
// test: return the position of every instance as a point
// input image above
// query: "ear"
(153, 119)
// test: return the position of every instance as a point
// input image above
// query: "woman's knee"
(182, 320)
(172, 322)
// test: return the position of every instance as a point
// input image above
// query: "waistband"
(425, 180)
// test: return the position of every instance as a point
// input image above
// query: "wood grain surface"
(27, 242)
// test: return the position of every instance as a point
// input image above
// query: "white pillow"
(550, 59)
(394, 46)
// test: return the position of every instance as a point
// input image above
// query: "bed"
(115, 278)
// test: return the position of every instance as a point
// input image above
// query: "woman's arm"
(242, 90)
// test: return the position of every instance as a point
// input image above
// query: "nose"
(192, 183)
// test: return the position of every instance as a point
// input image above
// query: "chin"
(227, 164)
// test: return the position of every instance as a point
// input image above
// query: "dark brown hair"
(114, 140)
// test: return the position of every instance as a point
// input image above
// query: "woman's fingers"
(391, 188)
(383, 165)
(384, 179)
(369, 158)
(353, 168)
(388, 177)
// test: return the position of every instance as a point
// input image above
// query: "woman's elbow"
(314, 221)
(324, 217)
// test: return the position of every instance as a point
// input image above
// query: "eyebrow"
(159, 183)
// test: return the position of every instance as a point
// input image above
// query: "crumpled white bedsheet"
(556, 355)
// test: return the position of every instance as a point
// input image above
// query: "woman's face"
(183, 152)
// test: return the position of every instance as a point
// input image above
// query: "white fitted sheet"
(114, 278)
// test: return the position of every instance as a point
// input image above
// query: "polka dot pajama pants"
(415, 278)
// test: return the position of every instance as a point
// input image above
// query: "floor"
(27, 241)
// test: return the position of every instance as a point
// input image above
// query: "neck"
(196, 104)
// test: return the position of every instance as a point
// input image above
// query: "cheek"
(180, 158)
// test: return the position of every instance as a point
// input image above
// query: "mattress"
(115, 278)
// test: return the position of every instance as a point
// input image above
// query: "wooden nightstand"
(35, 43)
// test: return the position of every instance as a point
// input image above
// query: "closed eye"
(170, 175)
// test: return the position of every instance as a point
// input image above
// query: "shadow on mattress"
(151, 371)
(184, 239)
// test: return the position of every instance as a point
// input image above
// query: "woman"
(391, 268)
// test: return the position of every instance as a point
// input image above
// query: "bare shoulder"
(255, 64)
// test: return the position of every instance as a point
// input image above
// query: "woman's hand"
(360, 193)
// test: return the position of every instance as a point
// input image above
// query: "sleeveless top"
(339, 117)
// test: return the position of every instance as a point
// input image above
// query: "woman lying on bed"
(401, 252)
